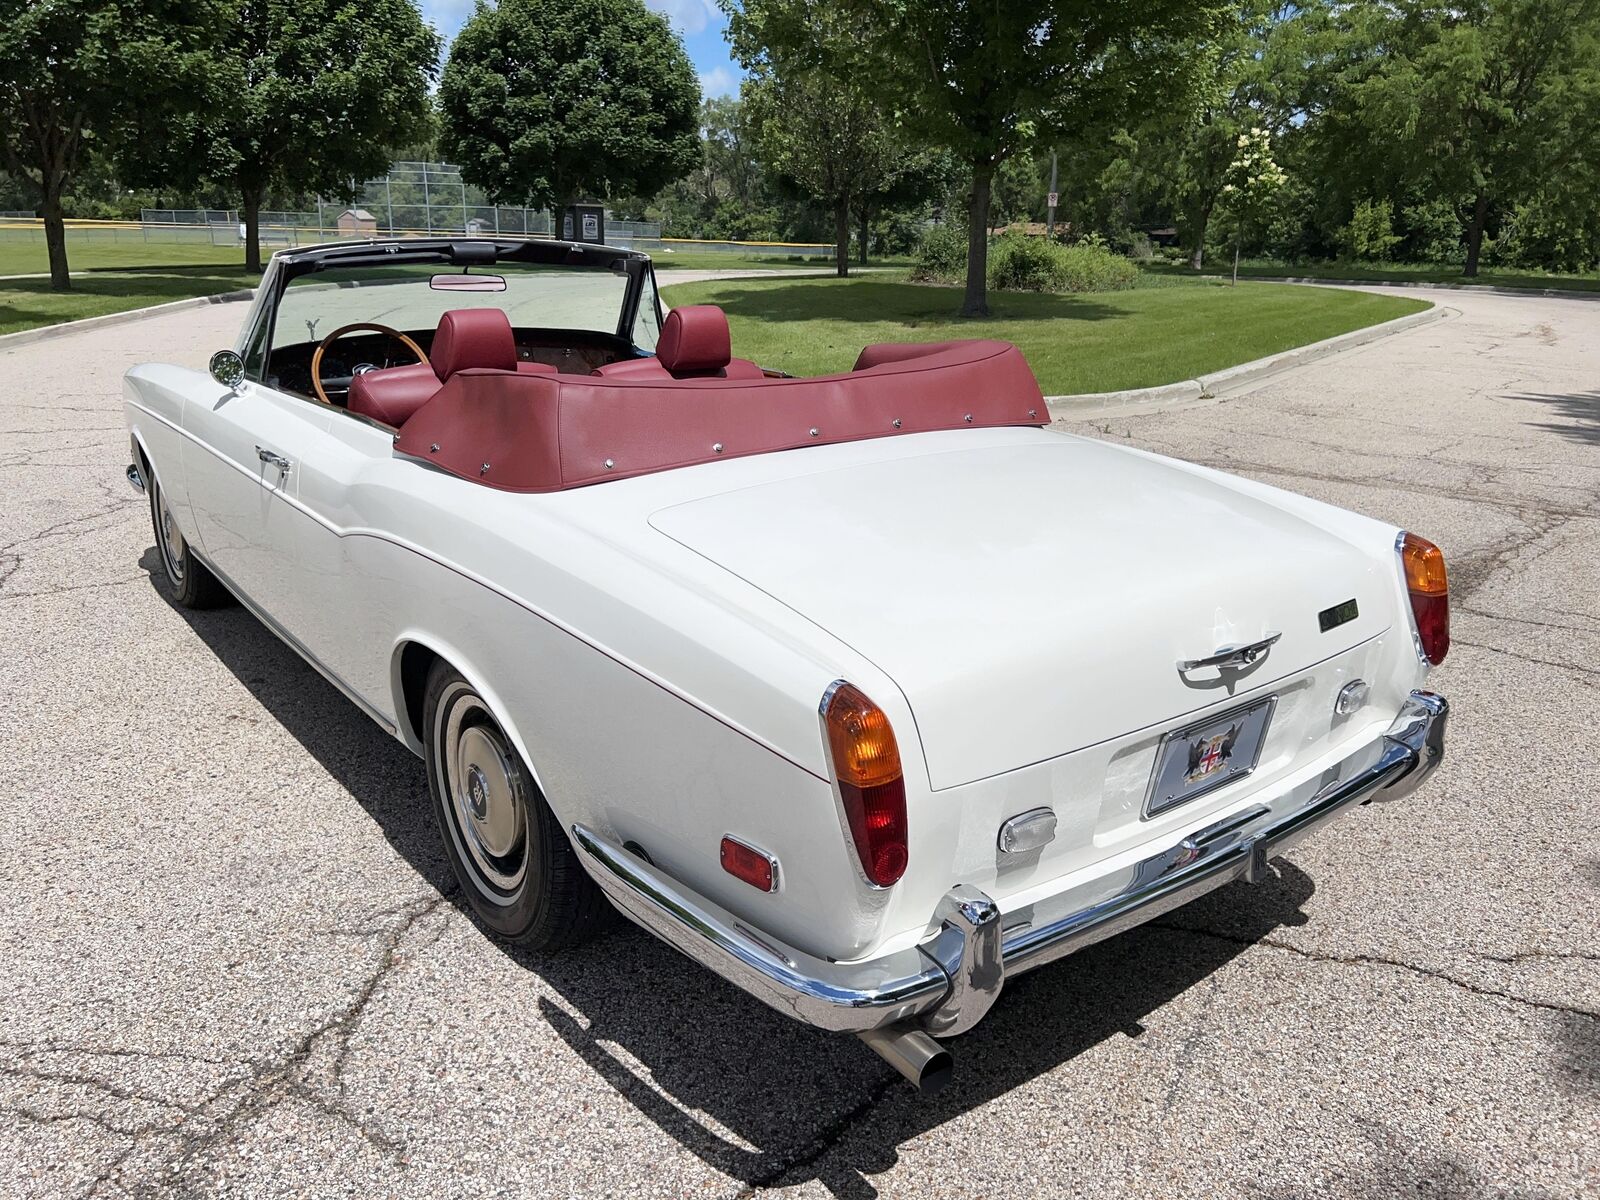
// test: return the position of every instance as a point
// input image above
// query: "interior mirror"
(467, 283)
(227, 368)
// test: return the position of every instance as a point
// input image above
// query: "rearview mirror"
(227, 368)
(467, 283)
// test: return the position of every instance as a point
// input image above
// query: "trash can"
(583, 223)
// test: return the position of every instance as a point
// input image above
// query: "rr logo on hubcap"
(477, 793)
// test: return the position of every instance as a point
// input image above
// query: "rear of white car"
(1104, 683)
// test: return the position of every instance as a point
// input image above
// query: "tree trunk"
(55, 234)
(1480, 210)
(976, 301)
(1197, 260)
(252, 227)
(841, 235)
(866, 234)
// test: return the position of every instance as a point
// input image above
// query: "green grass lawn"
(1097, 342)
(26, 256)
(1387, 273)
(711, 260)
(27, 303)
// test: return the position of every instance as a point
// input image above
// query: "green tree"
(1249, 187)
(542, 100)
(318, 94)
(1488, 99)
(80, 76)
(826, 134)
(987, 78)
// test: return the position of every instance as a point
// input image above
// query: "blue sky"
(699, 22)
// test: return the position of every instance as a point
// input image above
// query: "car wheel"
(516, 866)
(190, 583)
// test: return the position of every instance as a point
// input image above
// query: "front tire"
(514, 862)
(188, 580)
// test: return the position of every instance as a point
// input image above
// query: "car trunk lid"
(1032, 600)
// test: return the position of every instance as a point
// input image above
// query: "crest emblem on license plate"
(1208, 755)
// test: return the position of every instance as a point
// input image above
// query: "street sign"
(1055, 199)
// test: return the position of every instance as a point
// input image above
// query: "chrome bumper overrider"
(946, 984)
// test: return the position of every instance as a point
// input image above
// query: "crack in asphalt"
(1375, 960)
(243, 1096)
(1528, 658)
(823, 1142)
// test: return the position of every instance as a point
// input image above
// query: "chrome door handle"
(1231, 656)
(273, 459)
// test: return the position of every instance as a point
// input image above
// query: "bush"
(1433, 232)
(1370, 236)
(1018, 263)
(942, 256)
(1094, 269)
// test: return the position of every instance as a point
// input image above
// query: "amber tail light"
(866, 762)
(1429, 588)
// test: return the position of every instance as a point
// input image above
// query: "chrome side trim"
(950, 981)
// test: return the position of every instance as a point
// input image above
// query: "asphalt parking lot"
(232, 962)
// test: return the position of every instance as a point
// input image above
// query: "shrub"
(1018, 263)
(1370, 236)
(942, 256)
(1434, 232)
(1025, 264)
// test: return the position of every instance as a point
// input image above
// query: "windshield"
(412, 297)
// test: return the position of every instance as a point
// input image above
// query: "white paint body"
(656, 647)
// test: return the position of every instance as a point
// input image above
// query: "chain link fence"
(413, 199)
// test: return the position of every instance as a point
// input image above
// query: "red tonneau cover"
(544, 433)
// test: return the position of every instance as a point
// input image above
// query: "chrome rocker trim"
(945, 985)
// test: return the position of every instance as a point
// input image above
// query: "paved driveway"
(231, 962)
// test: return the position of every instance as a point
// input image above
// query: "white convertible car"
(868, 692)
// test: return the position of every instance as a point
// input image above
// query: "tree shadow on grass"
(1582, 410)
(909, 304)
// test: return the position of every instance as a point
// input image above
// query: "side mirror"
(227, 368)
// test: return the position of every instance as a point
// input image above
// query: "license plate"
(1202, 757)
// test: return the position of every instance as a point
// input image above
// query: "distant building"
(356, 221)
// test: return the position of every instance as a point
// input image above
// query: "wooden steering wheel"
(322, 348)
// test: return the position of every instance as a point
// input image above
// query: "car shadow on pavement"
(1582, 410)
(751, 1093)
(772, 1102)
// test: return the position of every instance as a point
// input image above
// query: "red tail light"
(866, 762)
(1429, 588)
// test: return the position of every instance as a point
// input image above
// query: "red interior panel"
(534, 433)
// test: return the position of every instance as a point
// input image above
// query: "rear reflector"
(866, 762)
(1429, 589)
(755, 867)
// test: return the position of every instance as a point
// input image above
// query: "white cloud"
(720, 80)
(687, 16)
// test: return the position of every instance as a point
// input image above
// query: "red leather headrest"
(695, 338)
(473, 338)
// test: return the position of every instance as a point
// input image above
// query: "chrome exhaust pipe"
(914, 1054)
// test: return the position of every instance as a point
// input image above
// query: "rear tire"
(189, 582)
(514, 861)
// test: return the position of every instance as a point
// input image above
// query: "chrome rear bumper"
(947, 983)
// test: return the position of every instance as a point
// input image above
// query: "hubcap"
(485, 793)
(170, 537)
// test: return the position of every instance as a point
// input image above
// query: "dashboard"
(569, 351)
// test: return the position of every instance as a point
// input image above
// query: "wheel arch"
(410, 665)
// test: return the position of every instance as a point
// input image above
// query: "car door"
(242, 464)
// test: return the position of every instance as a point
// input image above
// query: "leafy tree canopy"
(83, 75)
(314, 94)
(542, 100)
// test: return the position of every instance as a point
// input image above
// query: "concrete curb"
(1493, 289)
(25, 337)
(1233, 378)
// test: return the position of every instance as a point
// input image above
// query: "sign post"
(1050, 214)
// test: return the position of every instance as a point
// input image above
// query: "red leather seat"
(467, 338)
(695, 344)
